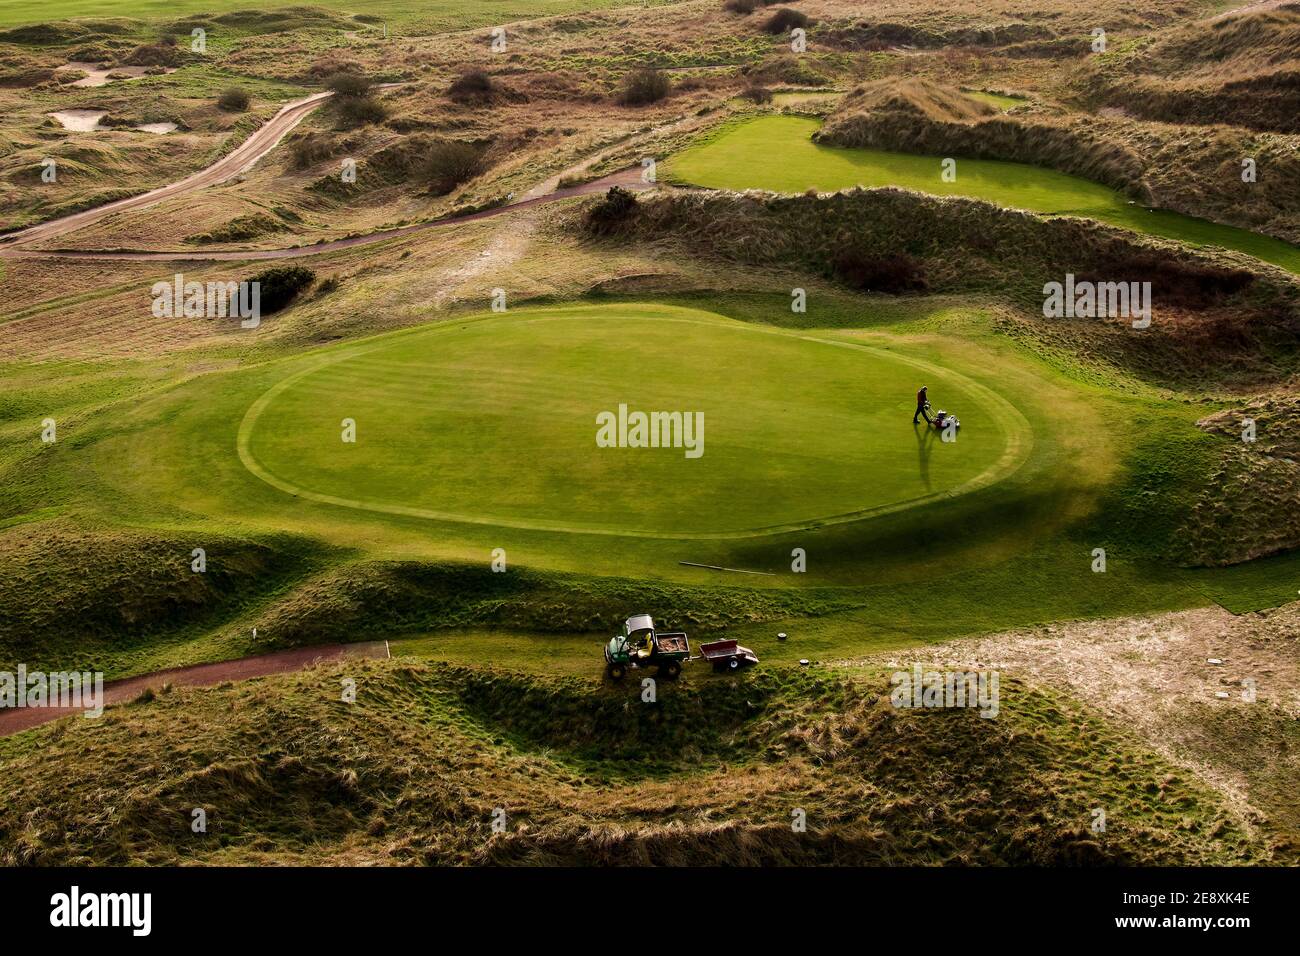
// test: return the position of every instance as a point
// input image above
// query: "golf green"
(495, 420)
(743, 156)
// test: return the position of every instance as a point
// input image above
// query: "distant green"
(777, 153)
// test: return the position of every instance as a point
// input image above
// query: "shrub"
(610, 213)
(894, 273)
(785, 20)
(472, 87)
(746, 7)
(642, 86)
(348, 84)
(310, 149)
(756, 94)
(281, 285)
(361, 110)
(234, 100)
(450, 163)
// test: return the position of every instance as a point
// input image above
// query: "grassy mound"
(413, 597)
(93, 599)
(917, 96)
(1244, 512)
(242, 228)
(1242, 70)
(1211, 322)
(710, 774)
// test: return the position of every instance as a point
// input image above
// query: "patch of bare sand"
(508, 244)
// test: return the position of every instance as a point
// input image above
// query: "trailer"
(728, 655)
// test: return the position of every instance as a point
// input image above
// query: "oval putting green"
(514, 420)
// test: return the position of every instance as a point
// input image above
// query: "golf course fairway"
(739, 157)
(494, 421)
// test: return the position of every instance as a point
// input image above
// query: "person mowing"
(922, 406)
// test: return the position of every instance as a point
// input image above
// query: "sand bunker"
(88, 121)
(100, 74)
(81, 121)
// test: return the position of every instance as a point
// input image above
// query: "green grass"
(996, 99)
(493, 421)
(733, 159)
(406, 15)
(1108, 465)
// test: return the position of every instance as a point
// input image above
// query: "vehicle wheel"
(615, 671)
(670, 670)
(734, 663)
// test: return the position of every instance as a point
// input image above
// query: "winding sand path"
(241, 159)
(628, 179)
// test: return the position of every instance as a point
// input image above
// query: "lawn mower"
(943, 420)
(640, 645)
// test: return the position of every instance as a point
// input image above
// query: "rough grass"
(1243, 70)
(75, 598)
(711, 774)
(1243, 513)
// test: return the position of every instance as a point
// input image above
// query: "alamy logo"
(931, 689)
(211, 300)
(73, 691)
(74, 908)
(1098, 300)
(651, 430)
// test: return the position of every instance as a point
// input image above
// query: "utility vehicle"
(639, 644)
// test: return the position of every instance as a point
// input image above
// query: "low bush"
(361, 111)
(449, 163)
(234, 100)
(345, 83)
(310, 149)
(642, 86)
(746, 7)
(610, 213)
(474, 86)
(278, 287)
(785, 20)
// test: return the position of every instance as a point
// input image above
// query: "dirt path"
(198, 675)
(548, 190)
(264, 139)
(629, 179)
(1258, 7)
